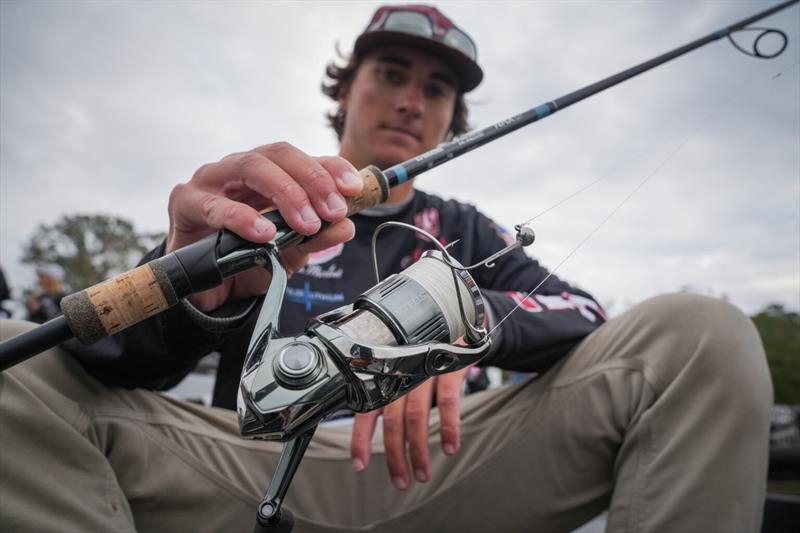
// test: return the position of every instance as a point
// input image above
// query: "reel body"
(361, 356)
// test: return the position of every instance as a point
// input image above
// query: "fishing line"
(591, 184)
(634, 158)
(734, 95)
(784, 71)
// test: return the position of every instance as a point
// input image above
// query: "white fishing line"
(724, 103)
(437, 278)
(636, 157)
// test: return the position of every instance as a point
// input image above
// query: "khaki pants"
(660, 416)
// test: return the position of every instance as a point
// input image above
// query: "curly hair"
(339, 76)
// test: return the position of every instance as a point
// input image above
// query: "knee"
(697, 315)
(719, 327)
(713, 339)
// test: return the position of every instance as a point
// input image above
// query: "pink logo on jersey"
(323, 256)
(428, 220)
(526, 303)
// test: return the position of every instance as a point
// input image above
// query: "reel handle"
(270, 517)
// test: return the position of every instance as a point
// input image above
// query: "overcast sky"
(105, 106)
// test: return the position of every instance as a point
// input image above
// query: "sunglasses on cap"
(423, 21)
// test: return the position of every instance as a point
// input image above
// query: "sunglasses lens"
(409, 22)
(455, 38)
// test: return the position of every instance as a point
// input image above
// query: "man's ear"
(344, 92)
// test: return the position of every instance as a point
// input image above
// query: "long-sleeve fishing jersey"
(159, 352)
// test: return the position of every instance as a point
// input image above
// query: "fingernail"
(336, 203)
(308, 215)
(358, 464)
(261, 225)
(400, 483)
(351, 179)
(449, 449)
(421, 476)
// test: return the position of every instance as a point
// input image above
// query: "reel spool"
(423, 303)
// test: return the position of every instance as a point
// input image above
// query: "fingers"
(448, 400)
(255, 281)
(229, 193)
(405, 426)
(418, 407)
(295, 257)
(192, 209)
(361, 440)
(305, 190)
(340, 232)
(301, 187)
(394, 442)
(347, 178)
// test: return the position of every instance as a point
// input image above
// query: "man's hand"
(406, 421)
(229, 194)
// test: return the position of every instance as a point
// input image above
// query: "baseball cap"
(424, 27)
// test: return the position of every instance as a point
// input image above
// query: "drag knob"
(297, 365)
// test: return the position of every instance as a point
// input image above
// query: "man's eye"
(435, 90)
(392, 75)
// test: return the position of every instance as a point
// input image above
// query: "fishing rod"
(120, 302)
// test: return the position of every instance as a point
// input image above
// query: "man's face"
(399, 105)
(48, 284)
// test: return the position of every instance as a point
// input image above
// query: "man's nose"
(411, 101)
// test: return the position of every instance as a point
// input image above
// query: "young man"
(660, 414)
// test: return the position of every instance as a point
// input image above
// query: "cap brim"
(468, 72)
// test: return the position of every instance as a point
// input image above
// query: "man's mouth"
(398, 129)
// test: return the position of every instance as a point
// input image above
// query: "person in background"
(45, 304)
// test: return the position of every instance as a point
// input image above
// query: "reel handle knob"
(280, 522)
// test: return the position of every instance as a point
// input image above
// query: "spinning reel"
(359, 357)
